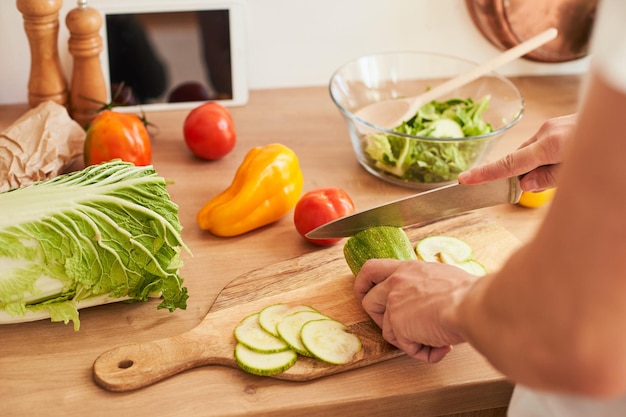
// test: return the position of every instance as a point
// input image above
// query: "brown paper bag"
(41, 144)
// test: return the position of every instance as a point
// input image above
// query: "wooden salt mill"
(88, 91)
(41, 24)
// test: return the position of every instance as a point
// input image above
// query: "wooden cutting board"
(320, 279)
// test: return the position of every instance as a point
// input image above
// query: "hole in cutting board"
(125, 364)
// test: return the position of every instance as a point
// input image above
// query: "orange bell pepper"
(266, 186)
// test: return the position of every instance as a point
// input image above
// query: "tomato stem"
(116, 102)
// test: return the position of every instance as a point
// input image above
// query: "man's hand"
(536, 160)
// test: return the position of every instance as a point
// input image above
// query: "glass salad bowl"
(445, 137)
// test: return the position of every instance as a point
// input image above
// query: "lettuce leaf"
(109, 231)
(437, 160)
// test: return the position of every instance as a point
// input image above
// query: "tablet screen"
(163, 59)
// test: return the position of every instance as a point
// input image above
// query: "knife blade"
(424, 207)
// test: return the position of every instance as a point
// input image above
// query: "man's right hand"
(536, 161)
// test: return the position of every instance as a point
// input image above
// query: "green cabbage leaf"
(107, 233)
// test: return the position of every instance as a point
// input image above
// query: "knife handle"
(515, 189)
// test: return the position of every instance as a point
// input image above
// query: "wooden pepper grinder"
(88, 90)
(41, 24)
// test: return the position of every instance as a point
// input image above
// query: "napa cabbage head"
(107, 233)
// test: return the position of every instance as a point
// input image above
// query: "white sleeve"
(608, 44)
(527, 402)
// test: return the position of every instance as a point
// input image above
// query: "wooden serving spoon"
(391, 113)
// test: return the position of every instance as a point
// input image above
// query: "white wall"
(300, 43)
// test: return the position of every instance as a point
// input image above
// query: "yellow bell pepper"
(266, 186)
(538, 199)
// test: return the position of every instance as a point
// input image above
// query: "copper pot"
(506, 23)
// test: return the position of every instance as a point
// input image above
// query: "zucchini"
(449, 250)
(473, 267)
(446, 249)
(330, 341)
(264, 364)
(271, 315)
(377, 242)
(290, 326)
(250, 334)
(299, 328)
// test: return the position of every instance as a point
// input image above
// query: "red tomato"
(114, 135)
(318, 207)
(209, 131)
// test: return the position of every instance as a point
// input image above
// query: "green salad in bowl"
(432, 161)
(445, 137)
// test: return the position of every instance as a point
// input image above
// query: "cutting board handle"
(134, 366)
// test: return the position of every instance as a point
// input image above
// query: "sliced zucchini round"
(330, 341)
(442, 248)
(249, 333)
(471, 266)
(289, 328)
(264, 364)
(271, 315)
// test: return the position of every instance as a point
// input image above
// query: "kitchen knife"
(424, 207)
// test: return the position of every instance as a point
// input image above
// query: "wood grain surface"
(47, 368)
(319, 279)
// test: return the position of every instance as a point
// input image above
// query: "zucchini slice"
(264, 364)
(250, 334)
(330, 341)
(471, 266)
(446, 249)
(290, 326)
(271, 315)
(450, 250)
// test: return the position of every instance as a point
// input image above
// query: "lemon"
(538, 199)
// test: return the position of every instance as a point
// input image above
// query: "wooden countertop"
(45, 368)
